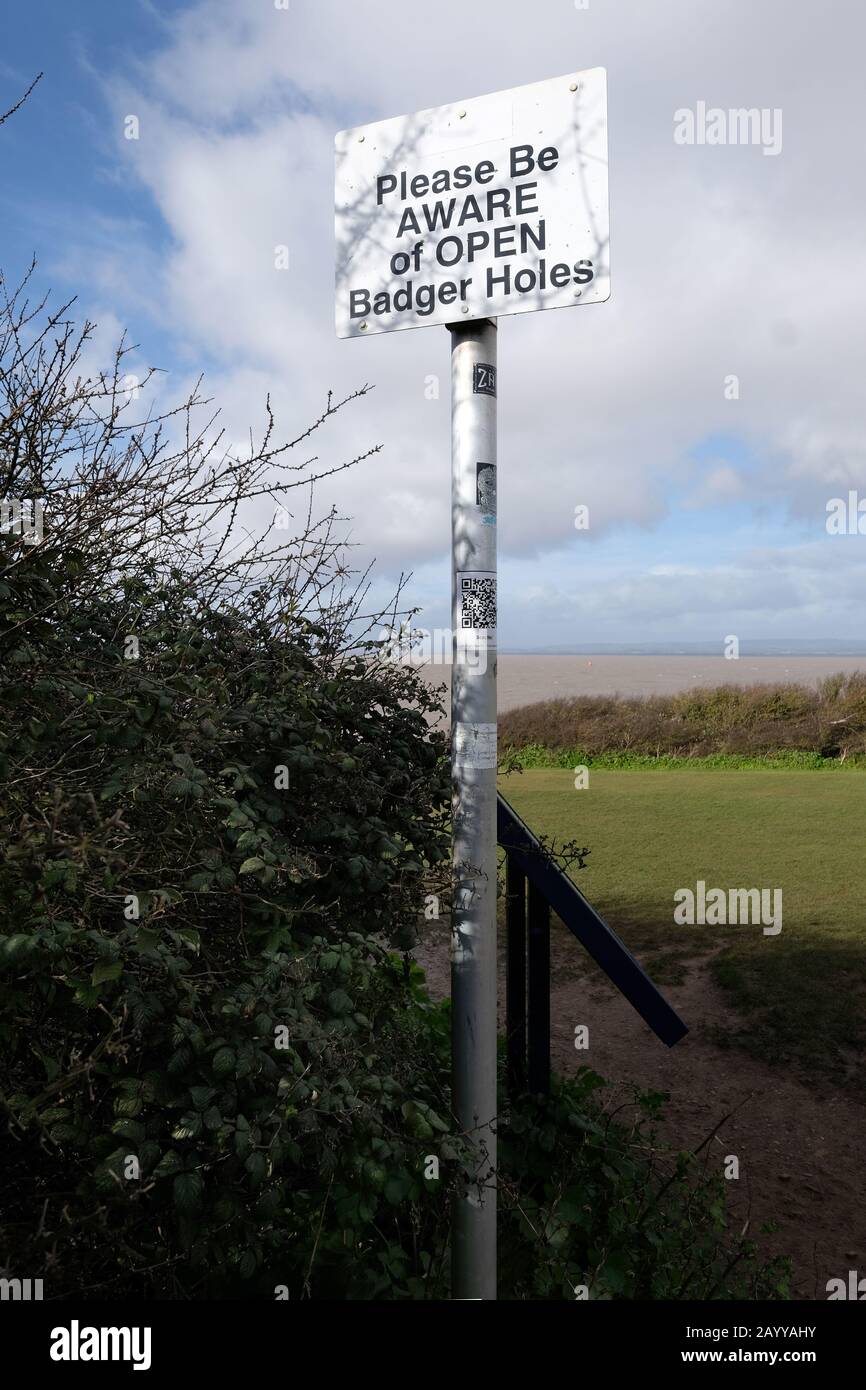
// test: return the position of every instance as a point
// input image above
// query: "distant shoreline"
(793, 649)
(525, 679)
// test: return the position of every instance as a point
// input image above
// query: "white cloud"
(722, 262)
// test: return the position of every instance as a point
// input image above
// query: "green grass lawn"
(802, 993)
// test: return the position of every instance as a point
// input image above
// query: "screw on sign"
(458, 216)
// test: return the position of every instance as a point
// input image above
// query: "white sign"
(493, 206)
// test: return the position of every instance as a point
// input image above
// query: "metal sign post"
(473, 798)
(458, 215)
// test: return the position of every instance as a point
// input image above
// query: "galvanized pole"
(473, 762)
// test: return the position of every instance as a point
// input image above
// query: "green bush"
(193, 973)
(219, 813)
(240, 1089)
(596, 1208)
(533, 755)
(743, 722)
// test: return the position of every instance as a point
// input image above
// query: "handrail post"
(539, 992)
(580, 918)
(515, 974)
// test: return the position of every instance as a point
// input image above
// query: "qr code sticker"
(478, 601)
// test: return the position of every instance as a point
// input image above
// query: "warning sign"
(493, 206)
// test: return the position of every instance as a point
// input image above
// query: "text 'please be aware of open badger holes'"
(488, 207)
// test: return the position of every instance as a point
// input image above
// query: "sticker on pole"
(474, 746)
(485, 491)
(496, 205)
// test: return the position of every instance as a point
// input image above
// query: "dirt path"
(801, 1144)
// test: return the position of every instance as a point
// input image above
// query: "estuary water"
(522, 680)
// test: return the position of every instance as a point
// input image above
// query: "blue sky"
(62, 181)
(707, 513)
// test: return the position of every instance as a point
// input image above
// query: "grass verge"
(798, 998)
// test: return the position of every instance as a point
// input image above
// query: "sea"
(523, 679)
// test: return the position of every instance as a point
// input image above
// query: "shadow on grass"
(792, 1003)
(803, 1006)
